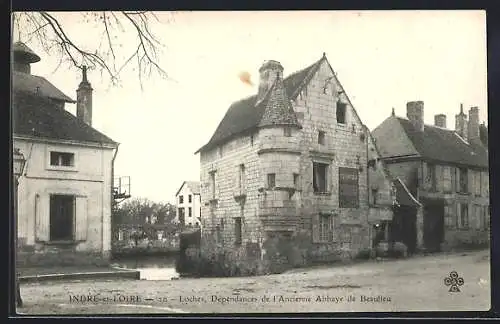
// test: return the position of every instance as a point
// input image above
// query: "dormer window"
(62, 159)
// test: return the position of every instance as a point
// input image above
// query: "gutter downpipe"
(111, 193)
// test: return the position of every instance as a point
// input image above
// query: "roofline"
(182, 185)
(67, 142)
(415, 157)
(409, 193)
(207, 147)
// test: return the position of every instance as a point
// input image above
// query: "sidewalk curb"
(122, 274)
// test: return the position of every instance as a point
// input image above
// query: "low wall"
(59, 256)
(457, 239)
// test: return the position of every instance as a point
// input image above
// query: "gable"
(392, 141)
(191, 186)
(243, 116)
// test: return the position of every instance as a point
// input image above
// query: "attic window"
(321, 137)
(341, 112)
(62, 159)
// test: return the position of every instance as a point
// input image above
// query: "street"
(414, 284)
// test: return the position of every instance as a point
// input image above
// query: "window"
(320, 173)
(447, 179)
(431, 176)
(326, 228)
(477, 182)
(190, 212)
(181, 199)
(62, 213)
(448, 216)
(241, 177)
(296, 181)
(348, 188)
(463, 180)
(321, 137)
(464, 216)
(182, 216)
(237, 230)
(271, 180)
(374, 196)
(341, 112)
(212, 183)
(190, 199)
(62, 159)
(287, 131)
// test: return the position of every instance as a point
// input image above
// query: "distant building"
(65, 191)
(188, 203)
(289, 168)
(445, 169)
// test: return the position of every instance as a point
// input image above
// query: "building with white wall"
(65, 190)
(188, 204)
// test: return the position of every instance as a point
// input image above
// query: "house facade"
(445, 169)
(287, 174)
(188, 201)
(65, 191)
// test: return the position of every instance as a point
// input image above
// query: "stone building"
(64, 193)
(445, 169)
(188, 203)
(289, 168)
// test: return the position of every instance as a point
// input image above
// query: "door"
(433, 225)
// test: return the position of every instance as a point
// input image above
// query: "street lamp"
(18, 167)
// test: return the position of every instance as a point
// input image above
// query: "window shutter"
(425, 183)
(81, 218)
(458, 219)
(42, 215)
(453, 175)
(470, 181)
(439, 178)
(315, 228)
(457, 179)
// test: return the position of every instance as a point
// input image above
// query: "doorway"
(404, 227)
(433, 225)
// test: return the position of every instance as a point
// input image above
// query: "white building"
(65, 190)
(188, 204)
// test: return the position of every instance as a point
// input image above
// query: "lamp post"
(18, 166)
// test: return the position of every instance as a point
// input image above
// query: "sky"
(382, 58)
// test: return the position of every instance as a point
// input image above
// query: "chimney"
(461, 123)
(269, 71)
(23, 56)
(415, 113)
(473, 128)
(84, 99)
(440, 120)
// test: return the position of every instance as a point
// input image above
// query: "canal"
(150, 267)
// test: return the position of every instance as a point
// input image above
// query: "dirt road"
(415, 284)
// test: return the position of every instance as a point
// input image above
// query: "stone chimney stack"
(23, 56)
(440, 120)
(84, 99)
(269, 71)
(461, 125)
(473, 128)
(415, 113)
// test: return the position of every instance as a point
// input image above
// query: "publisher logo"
(454, 281)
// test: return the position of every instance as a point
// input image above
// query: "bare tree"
(105, 54)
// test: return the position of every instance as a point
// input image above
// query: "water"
(150, 267)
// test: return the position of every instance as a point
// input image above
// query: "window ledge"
(62, 242)
(320, 193)
(62, 168)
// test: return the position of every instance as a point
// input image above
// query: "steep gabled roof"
(445, 145)
(37, 116)
(193, 185)
(243, 115)
(24, 82)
